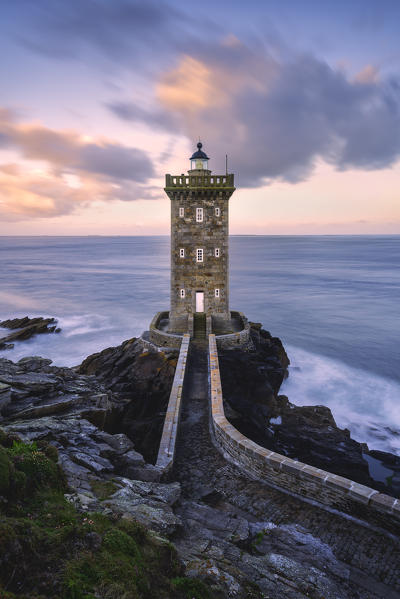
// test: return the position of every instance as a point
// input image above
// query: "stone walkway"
(238, 531)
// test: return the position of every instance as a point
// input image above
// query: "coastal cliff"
(101, 423)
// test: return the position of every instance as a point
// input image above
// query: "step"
(199, 326)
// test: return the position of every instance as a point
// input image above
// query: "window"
(199, 215)
(199, 255)
(218, 212)
(216, 252)
(181, 211)
(182, 293)
(182, 253)
(217, 293)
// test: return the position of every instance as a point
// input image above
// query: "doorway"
(199, 301)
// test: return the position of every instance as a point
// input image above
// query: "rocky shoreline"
(250, 384)
(105, 419)
(25, 328)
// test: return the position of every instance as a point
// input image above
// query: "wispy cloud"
(76, 171)
(122, 31)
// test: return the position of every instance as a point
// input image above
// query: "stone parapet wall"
(238, 339)
(203, 180)
(295, 477)
(166, 452)
(162, 338)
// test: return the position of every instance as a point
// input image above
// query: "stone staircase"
(199, 326)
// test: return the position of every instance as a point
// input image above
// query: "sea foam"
(367, 404)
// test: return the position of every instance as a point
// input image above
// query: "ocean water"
(333, 300)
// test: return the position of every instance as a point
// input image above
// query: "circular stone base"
(229, 333)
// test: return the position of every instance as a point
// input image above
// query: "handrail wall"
(166, 452)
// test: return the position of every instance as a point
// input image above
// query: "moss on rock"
(49, 549)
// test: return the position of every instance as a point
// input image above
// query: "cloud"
(73, 171)
(37, 193)
(67, 149)
(368, 74)
(127, 31)
(275, 118)
(157, 118)
(274, 111)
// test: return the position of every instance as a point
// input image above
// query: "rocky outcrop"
(25, 328)
(251, 381)
(244, 539)
(49, 548)
(140, 376)
(32, 388)
(39, 401)
(45, 404)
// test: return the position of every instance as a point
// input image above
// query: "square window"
(181, 211)
(216, 252)
(182, 293)
(218, 212)
(182, 252)
(217, 293)
(199, 215)
(199, 255)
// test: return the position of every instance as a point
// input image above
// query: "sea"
(333, 300)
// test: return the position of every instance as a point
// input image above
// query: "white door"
(199, 301)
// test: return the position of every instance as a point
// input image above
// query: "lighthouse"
(199, 244)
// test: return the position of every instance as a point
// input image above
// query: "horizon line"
(231, 235)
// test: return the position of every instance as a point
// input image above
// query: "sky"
(99, 99)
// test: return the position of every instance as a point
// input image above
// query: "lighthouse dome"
(199, 159)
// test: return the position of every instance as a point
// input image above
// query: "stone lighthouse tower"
(199, 244)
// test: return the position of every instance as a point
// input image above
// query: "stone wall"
(238, 339)
(296, 477)
(166, 452)
(162, 338)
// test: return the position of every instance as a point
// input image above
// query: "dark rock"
(118, 443)
(251, 381)
(34, 363)
(148, 503)
(135, 371)
(389, 460)
(96, 463)
(34, 388)
(146, 472)
(25, 328)
(93, 541)
(132, 458)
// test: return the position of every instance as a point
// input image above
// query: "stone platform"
(234, 332)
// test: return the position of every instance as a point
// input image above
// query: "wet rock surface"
(250, 383)
(25, 328)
